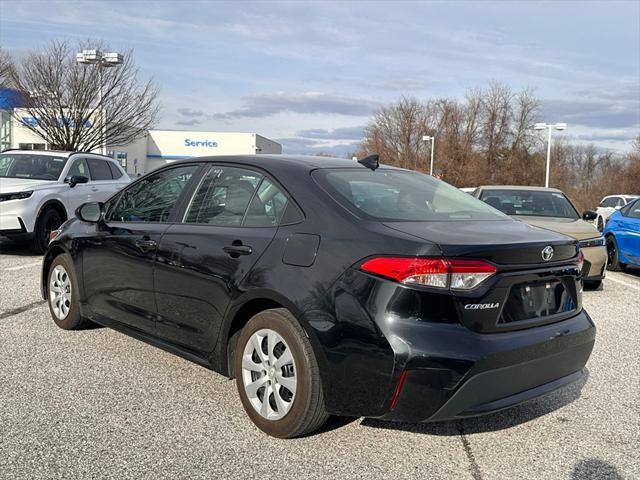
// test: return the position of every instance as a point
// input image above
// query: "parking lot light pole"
(102, 60)
(427, 138)
(550, 126)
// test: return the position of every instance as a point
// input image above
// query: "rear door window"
(99, 169)
(223, 196)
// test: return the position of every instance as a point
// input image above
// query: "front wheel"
(277, 375)
(613, 261)
(62, 293)
(48, 221)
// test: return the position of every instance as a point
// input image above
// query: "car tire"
(285, 361)
(62, 294)
(592, 284)
(50, 219)
(600, 223)
(613, 261)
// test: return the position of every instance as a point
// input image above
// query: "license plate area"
(534, 300)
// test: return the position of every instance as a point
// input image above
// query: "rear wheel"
(48, 220)
(613, 262)
(277, 375)
(62, 294)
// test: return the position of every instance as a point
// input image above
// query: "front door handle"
(145, 244)
(235, 250)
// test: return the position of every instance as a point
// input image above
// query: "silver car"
(39, 190)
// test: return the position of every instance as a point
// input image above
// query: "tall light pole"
(550, 126)
(427, 138)
(101, 60)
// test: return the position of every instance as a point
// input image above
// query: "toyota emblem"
(547, 253)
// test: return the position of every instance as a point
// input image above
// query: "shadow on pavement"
(10, 248)
(592, 469)
(495, 421)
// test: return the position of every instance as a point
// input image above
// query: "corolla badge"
(481, 306)
(547, 253)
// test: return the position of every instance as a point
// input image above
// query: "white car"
(610, 204)
(39, 190)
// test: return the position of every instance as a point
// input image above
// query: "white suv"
(39, 190)
(610, 204)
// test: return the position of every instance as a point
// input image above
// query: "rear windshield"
(530, 203)
(400, 195)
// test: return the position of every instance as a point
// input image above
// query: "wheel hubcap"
(60, 292)
(269, 374)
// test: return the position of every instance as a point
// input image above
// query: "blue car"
(622, 233)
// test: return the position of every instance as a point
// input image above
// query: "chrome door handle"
(235, 250)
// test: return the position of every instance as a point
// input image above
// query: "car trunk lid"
(527, 290)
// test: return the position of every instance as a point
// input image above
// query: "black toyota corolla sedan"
(328, 286)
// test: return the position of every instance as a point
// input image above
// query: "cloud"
(189, 123)
(265, 105)
(306, 146)
(189, 112)
(593, 113)
(344, 133)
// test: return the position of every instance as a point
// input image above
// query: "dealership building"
(152, 150)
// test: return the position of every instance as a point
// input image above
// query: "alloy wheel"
(269, 374)
(60, 292)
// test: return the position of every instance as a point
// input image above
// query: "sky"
(310, 74)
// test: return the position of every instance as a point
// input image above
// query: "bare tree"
(6, 67)
(63, 98)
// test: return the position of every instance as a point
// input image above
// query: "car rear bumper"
(483, 373)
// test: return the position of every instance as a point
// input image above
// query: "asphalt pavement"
(98, 404)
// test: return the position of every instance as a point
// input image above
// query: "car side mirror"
(91, 212)
(589, 215)
(618, 207)
(76, 179)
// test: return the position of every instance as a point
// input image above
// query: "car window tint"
(633, 210)
(267, 206)
(223, 196)
(79, 169)
(530, 203)
(115, 171)
(99, 169)
(398, 195)
(152, 198)
(619, 202)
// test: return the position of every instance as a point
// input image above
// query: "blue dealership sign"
(200, 143)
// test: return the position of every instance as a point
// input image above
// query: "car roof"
(48, 153)
(304, 162)
(520, 187)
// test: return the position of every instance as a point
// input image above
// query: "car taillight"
(458, 274)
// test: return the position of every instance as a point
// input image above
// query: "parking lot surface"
(98, 404)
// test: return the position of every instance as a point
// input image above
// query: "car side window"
(267, 206)
(115, 171)
(153, 198)
(99, 169)
(632, 210)
(619, 202)
(223, 196)
(79, 169)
